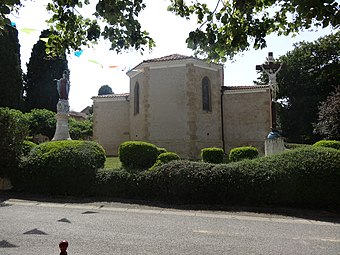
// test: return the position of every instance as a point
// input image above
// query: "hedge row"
(306, 177)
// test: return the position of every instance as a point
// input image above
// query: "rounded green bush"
(328, 143)
(241, 153)
(161, 150)
(164, 158)
(62, 167)
(137, 154)
(27, 146)
(167, 157)
(212, 155)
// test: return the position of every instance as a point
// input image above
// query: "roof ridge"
(112, 95)
(170, 57)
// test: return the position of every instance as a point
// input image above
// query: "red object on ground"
(63, 247)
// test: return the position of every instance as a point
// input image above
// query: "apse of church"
(175, 103)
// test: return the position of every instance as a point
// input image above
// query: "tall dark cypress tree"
(11, 85)
(42, 70)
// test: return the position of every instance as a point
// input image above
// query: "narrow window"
(206, 94)
(136, 98)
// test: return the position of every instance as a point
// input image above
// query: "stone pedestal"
(62, 132)
(274, 146)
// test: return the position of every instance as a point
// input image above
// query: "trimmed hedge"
(304, 177)
(212, 155)
(60, 167)
(137, 154)
(241, 153)
(27, 146)
(328, 143)
(291, 146)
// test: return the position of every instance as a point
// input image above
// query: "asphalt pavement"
(36, 225)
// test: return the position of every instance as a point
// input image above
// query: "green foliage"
(72, 31)
(167, 157)
(27, 146)
(137, 154)
(291, 146)
(164, 158)
(10, 69)
(328, 143)
(309, 75)
(305, 177)
(42, 70)
(231, 27)
(13, 130)
(112, 163)
(105, 90)
(161, 150)
(328, 125)
(212, 155)
(41, 121)
(119, 184)
(224, 30)
(61, 167)
(80, 130)
(241, 153)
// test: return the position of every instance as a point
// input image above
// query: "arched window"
(136, 98)
(206, 94)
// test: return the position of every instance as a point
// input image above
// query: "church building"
(181, 104)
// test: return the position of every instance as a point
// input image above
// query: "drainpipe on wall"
(223, 88)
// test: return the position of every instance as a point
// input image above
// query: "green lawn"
(112, 163)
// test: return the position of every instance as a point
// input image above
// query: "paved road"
(32, 227)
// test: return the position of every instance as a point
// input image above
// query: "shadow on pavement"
(308, 214)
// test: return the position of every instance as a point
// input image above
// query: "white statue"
(274, 88)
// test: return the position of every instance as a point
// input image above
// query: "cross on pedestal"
(271, 69)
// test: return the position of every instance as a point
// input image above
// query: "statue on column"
(274, 143)
(63, 108)
(63, 88)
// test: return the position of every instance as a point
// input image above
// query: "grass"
(112, 163)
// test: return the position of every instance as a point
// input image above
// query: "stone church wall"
(203, 126)
(167, 108)
(246, 118)
(111, 122)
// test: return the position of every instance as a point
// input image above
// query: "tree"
(72, 30)
(225, 29)
(10, 70)
(81, 130)
(310, 74)
(329, 117)
(231, 27)
(13, 130)
(41, 121)
(42, 70)
(105, 90)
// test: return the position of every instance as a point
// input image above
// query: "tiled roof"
(112, 95)
(244, 87)
(168, 58)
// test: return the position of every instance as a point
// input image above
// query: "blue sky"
(165, 28)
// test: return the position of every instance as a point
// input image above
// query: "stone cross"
(271, 69)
